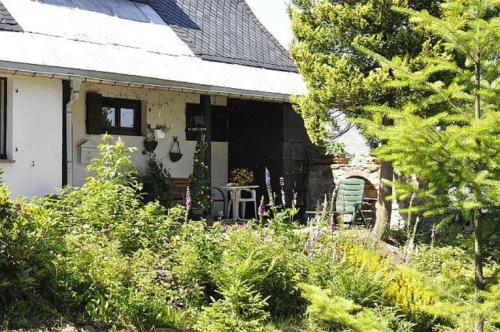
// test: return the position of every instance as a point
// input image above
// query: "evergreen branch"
(426, 17)
(388, 63)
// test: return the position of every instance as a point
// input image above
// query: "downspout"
(76, 83)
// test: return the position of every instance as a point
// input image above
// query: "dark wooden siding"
(272, 135)
(295, 145)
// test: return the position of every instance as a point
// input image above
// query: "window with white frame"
(3, 118)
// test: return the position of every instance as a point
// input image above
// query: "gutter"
(76, 84)
(15, 68)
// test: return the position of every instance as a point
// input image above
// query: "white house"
(71, 70)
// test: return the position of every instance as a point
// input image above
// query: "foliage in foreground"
(98, 255)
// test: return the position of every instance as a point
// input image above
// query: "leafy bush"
(241, 309)
(341, 263)
(28, 240)
(335, 312)
(98, 254)
(408, 292)
(157, 183)
(263, 259)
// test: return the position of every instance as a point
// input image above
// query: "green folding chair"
(350, 200)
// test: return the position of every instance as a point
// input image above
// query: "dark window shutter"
(192, 111)
(94, 121)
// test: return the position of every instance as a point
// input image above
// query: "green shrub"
(241, 309)
(341, 263)
(447, 270)
(409, 292)
(101, 284)
(194, 252)
(335, 312)
(28, 241)
(264, 260)
(98, 255)
(157, 183)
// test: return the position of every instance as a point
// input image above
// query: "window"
(195, 120)
(113, 115)
(3, 118)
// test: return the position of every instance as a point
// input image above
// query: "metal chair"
(214, 192)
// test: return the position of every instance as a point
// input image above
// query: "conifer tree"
(199, 181)
(339, 76)
(447, 132)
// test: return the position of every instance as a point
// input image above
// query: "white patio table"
(235, 191)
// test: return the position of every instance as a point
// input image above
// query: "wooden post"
(206, 107)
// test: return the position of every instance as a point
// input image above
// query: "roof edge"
(131, 80)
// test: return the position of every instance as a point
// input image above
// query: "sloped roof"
(225, 31)
(125, 41)
(7, 22)
(215, 30)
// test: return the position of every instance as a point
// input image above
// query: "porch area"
(253, 134)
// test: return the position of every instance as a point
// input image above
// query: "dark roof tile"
(7, 22)
(224, 31)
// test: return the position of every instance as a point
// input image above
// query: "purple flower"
(262, 207)
(313, 238)
(189, 201)
(333, 226)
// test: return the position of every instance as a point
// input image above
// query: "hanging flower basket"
(150, 145)
(160, 130)
(175, 156)
(159, 133)
(175, 150)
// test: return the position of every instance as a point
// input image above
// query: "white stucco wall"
(164, 105)
(34, 135)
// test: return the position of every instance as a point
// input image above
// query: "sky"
(273, 14)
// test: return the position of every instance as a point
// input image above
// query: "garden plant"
(99, 256)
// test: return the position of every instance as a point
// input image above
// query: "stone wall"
(364, 166)
(324, 176)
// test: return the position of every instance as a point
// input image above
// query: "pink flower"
(268, 239)
(189, 201)
(313, 238)
(262, 207)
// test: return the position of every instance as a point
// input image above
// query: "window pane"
(109, 116)
(127, 118)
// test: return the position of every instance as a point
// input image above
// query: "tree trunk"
(383, 207)
(478, 262)
(478, 225)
